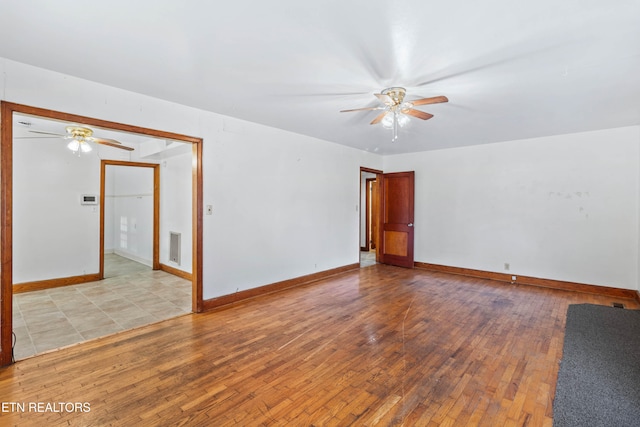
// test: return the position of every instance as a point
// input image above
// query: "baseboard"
(228, 300)
(533, 281)
(637, 295)
(133, 257)
(54, 283)
(176, 272)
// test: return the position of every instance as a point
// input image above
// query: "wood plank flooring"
(378, 346)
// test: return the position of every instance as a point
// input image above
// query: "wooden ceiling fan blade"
(122, 147)
(432, 100)
(385, 98)
(362, 109)
(101, 140)
(110, 143)
(417, 113)
(378, 118)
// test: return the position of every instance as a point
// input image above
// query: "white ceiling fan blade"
(37, 137)
(47, 133)
(362, 109)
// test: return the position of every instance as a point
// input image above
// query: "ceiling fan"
(397, 110)
(79, 138)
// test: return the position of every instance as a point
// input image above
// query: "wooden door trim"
(6, 242)
(363, 169)
(378, 173)
(367, 216)
(6, 209)
(155, 260)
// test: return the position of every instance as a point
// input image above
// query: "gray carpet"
(599, 378)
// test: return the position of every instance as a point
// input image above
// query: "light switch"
(209, 209)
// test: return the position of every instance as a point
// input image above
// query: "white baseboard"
(132, 257)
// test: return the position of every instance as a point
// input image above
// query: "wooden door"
(396, 234)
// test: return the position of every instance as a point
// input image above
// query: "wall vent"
(174, 247)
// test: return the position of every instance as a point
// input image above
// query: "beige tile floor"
(367, 258)
(131, 295)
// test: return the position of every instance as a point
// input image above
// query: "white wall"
(109, 215)
(175, 206)
(284, 204)
(129, 227)
(562, 207)
(54, 235)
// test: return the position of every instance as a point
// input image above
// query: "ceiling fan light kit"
(78, 144)
(397, 111)
(79, 147)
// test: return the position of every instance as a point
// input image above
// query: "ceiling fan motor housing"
(79, 132)
(396, 94)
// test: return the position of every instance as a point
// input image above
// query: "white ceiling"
(510, 69)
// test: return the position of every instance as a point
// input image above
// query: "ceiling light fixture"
(394, 120)
(397, 111)
(78, 140)
(79, 146)
(395, 117)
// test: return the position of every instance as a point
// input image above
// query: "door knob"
(410, 224)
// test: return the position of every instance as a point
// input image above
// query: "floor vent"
(618, 305)
(174, 247)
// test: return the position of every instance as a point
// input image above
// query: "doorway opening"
(369, 221)
(6, 207)
(129, 217)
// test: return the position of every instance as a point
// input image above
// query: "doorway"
(387, 213)
(369, 208)
(129, 216)
(6, 212)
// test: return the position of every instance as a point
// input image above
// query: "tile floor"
(131, 295)
(367, 258)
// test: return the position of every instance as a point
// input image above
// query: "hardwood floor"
(378, 346)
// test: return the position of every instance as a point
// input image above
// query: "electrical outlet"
(514, 278)
(209, 209)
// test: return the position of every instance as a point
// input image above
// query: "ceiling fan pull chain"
(395, 126)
